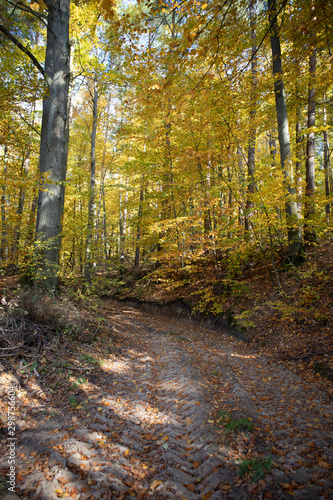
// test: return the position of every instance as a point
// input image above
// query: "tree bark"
(90, 222)
(122, 225)
(54, 145)
(3, 246)
(294, 238)
(309, 210)
(101, 219)
(299, 149)
(327, 167)
(253, 111)
(138, 229)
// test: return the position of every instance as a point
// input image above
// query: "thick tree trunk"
(54, 144)
(92, 187)
(309, 210)
(294, 238)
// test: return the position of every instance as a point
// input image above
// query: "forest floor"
(143, 401)
(164, 407)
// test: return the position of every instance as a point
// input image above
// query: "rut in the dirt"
(146, 430)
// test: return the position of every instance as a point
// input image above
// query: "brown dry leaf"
(324, 464)
(141, 495)
(190, 487)
(206, 496)
(165, 438)
(196, 464)
(62, 480)
(226, 487)
(33, 453)
(262, 483)
(155, 483)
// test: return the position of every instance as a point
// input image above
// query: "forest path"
(148, 427)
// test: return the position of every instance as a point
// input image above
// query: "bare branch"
(18, 44)
(26, 8)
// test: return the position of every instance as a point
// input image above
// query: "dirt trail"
(149, 424)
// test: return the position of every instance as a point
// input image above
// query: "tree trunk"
(101, 219)
(294, 238)
(20, 206)
(253, 112)
(89, 240)
(309, 210)
(122, 224)
(3, 247)
(327, 167)
(299, 150)
(54, 144)
(138, 229)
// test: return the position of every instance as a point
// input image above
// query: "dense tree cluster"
(163, 130)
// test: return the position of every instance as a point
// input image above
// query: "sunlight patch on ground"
(249, 356)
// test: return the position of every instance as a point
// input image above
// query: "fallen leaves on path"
(163, 418)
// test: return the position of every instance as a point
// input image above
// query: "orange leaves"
(155, 483)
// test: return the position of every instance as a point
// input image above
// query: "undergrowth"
(232, 424)
(255, 467)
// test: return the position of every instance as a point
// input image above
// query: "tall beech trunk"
(54, 144)
(92, 187)
(294, 238)
(168, 206)
(101, 219)
(253, 112)
(20, 205)
(327, 167)
(309, 209)
(138, 229)
(122, 224)
(299, 154)
(3, 246)
(25, 167)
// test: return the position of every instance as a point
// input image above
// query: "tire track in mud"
(145, 429)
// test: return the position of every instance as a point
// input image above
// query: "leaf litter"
(143, 420)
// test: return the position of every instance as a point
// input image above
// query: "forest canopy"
(163, 131)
